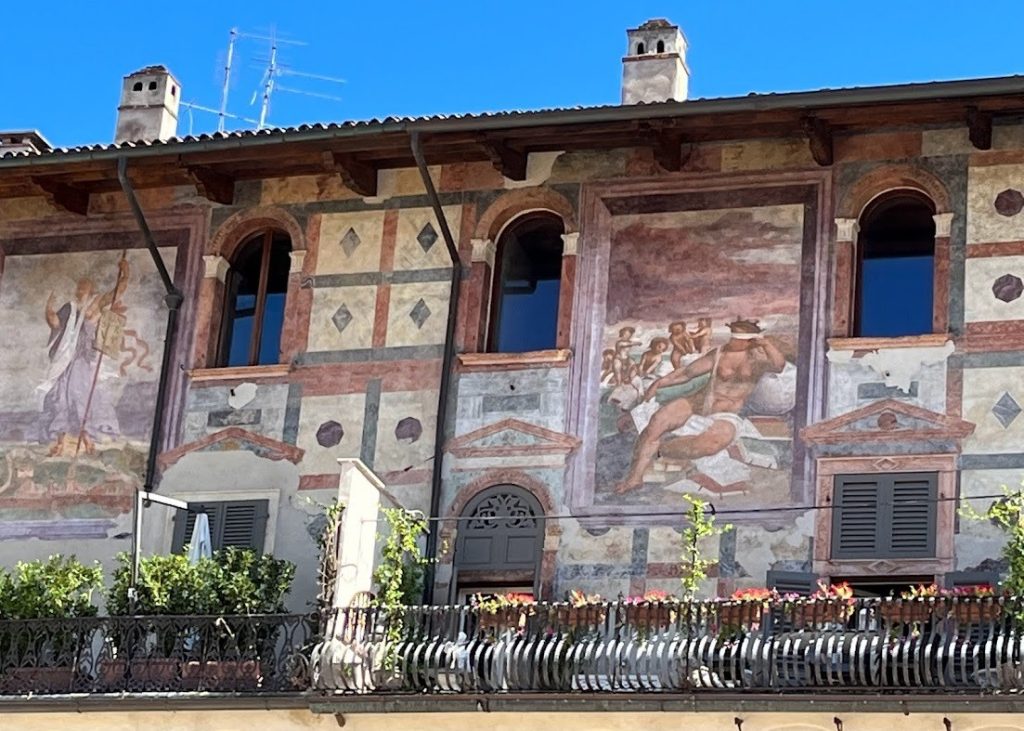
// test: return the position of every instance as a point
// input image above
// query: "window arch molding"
(515, 203)
(491, 481)
(240, 227)
(860, 198)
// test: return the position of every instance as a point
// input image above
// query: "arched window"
(527, 282)
(896, 266)
(254, 300)
(639, 49)
(661, 46)
(500, 542)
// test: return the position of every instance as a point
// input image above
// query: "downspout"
(447, 361)
(173, 298)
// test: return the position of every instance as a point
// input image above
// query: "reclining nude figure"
(735, 368)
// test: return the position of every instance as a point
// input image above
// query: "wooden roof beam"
(61, 196)
(357, 175)
(507, 160)
(212, 185)
(819, 138)
(979, 128)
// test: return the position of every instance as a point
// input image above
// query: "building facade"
(804, 309)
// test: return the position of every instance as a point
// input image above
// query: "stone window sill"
(930, 340)
(558, 358)
(240, 373)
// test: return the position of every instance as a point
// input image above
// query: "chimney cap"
(158, 68)
(27, 140)
(657, 24)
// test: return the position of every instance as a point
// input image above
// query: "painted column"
(209, 309)
(844, 283)
(570, 246)
(941, 300)
(478, 289)
(297, 305)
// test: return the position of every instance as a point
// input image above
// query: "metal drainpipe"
(173, 298)
(446, 363)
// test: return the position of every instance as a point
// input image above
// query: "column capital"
(298, 258)
(943, 223)
(847, 229)
(483, 251)
(216, 267)
(570, 243)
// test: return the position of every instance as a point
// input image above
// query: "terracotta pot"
(38, 680)
(811, 614)
(740, 615)
(912, 612)
(504, 618)
(645, 616)
(220, 675)
(976, 612)
(149, 673)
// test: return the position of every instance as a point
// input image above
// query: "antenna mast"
(232, 37)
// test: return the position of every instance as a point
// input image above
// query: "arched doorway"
(499, 543)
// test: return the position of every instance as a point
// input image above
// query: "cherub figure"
(701, 337)
(623, 366)
(682, 343)
(653, 356)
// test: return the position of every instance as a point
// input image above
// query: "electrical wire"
(711, 510)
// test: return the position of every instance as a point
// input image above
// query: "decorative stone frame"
(872, 186)
(221, 249)
(945, 513)
(486, 481)
(507, 208)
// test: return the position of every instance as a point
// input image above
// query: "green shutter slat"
(911, 529)
(855, 518)
(792, 582)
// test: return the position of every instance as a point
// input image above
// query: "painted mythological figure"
(75, 410)
(735, 370)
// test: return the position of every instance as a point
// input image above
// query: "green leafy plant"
(166, 585)
(399, 574)
(248, 583)
(1007, 513)
(700, 525)
(56, 588)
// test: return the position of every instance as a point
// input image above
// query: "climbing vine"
(399, 574)
(1007, 513)
(700, 524)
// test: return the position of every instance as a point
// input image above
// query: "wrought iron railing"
(232, 654)
(866, 645)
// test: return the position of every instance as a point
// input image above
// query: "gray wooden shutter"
(911, 529)
(792, 582)
(855, 511)
(241, 523)
(884, 516)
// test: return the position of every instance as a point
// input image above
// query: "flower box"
(912, 612)
(41, 680)
(220, 675)
(740, 615)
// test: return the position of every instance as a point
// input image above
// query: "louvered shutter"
(855, 529)
(884, 516)
(911, 511)
(241, 523)
(792, 582)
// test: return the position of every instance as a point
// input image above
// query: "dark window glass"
(254, 302)
(897, 265)
(528, 277)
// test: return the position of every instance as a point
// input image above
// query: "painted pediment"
(888, 420)
(512, 438)
(234, 439)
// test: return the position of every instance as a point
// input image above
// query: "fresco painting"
(698, 366)
(82, 334)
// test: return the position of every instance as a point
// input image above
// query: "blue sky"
(61, 75)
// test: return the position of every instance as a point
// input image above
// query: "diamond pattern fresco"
(341, 318)
(1006, 409)
(427, 237)
(419, 313)
(350, 242)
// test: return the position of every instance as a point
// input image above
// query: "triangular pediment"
(234, 439)
(511, 437)
(887, 421)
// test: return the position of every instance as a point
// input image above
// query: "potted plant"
(44, 650)
(655, 610)
(830, 604)
(744, 609)
(973, 604)
(498, 612)
(916, 605)
(232, 653)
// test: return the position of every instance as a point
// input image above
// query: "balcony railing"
(232, 654)
(867, 645)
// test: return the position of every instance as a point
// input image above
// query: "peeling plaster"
(896, 366)
(538, 169)
(241, 395)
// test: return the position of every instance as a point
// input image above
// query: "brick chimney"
(149, 106)
(654, 67)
